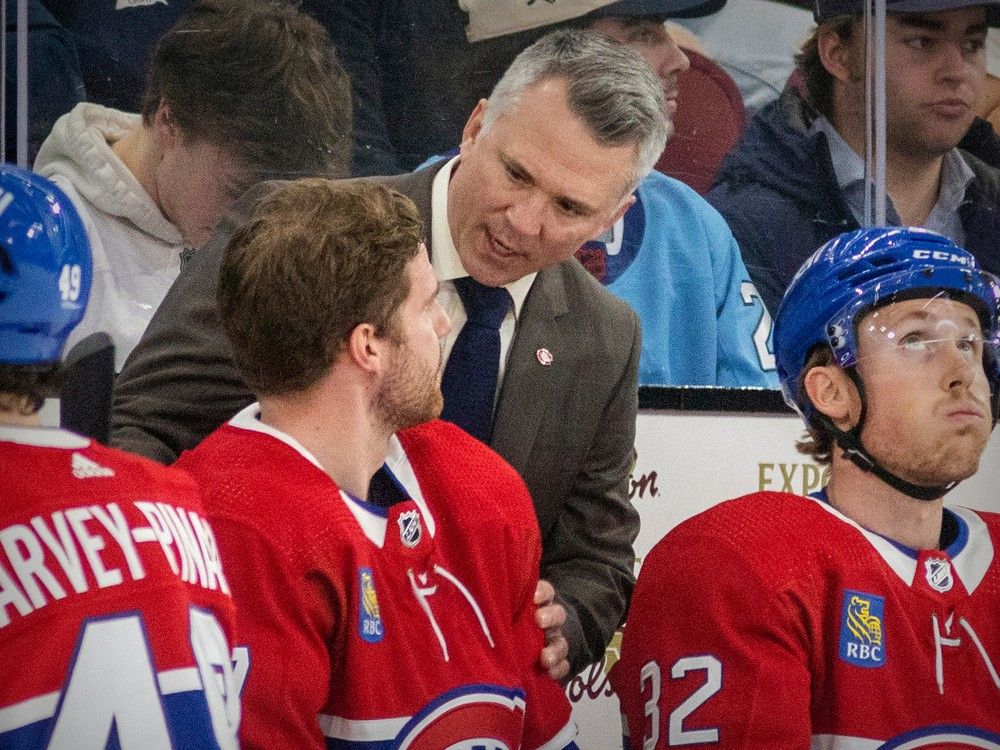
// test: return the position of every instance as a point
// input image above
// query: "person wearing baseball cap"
(640, 24)
(802, 156)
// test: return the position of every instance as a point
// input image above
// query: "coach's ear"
(833, 393)
(626, 204)
(474, 125)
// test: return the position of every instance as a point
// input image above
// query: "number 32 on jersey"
(680, 731)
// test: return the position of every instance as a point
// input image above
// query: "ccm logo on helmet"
(941, 255)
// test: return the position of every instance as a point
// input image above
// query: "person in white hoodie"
(237, 93)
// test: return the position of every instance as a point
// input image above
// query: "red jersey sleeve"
(284, 621)
(712, 655)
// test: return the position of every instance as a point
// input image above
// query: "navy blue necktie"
(470, 377)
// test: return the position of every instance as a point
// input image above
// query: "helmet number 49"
(69, 282)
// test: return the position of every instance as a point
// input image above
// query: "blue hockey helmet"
(45, 268)
(864, 269)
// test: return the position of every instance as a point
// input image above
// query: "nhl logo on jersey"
(409, 528)
(937, 570)
(862, 629)
(370, 620)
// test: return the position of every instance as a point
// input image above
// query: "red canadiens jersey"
(369, 627)
(116, 623)
(773, 621)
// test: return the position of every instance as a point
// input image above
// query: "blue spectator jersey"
(674, 260)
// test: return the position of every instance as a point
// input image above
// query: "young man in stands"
(801, 159)
(383, 566)
(238, 92)
(115, 617)
(865, 615)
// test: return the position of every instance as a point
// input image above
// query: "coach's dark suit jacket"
(568, 427)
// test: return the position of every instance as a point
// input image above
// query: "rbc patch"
(370, 625)
(862, 629)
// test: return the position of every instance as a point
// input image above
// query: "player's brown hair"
(261, 81)
(315, 259)
(24, 388)
(817, 442)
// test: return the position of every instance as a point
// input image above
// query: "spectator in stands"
(755, 42)
(797, 177)
(238, 92)
(418, 67)
(703, 326)
(639, 24)
(671, 256)
(55, 83)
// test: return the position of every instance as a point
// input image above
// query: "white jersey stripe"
(28, 712)
(902, 564)
(41, 707)
(372, 524)
(975, 559)
(399, 464)
(361, 730)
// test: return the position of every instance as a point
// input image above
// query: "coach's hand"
(550, 616)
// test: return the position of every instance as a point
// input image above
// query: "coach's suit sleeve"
(180, 383)
(714, 655)
(547, 715)
(588, 554)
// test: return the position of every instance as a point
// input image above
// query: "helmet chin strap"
(855, 451)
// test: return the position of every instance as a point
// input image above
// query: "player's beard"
(410, 393)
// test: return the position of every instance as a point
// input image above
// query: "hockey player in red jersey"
(383, 566)
(115, 617)
(864, 616)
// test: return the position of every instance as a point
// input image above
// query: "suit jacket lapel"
(514, 427)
